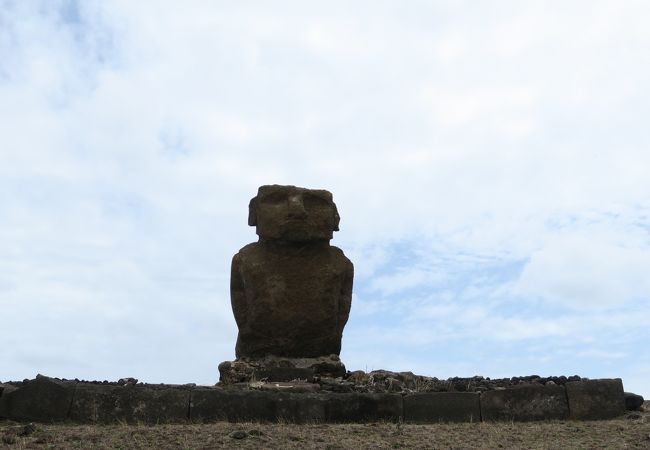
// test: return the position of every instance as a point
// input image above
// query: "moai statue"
(291, 291)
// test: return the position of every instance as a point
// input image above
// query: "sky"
(489, 161)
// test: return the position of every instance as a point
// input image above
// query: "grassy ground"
(631, 432)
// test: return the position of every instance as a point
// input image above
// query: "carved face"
(294, 214)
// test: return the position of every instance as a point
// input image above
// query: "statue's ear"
(337, 219)
(252, 212)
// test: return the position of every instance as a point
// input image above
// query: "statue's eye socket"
(312, 201)
(274, 198)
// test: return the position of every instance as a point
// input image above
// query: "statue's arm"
(237, 294)
(345, 301)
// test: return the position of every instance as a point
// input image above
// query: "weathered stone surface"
(596, 399)
(291, 291)
(300, 408)
(284, 374)
(213, 404)
(431, 407)
(284, 386)
(48, 400)
(525, 402)
(633, 402)
(231, 372)
(97, 403)
(337, 385)
(275, 368)
(43, 399)
(381, 381)
(363, 407)
(6, 388)
(130, 381)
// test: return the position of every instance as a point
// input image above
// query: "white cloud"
(489, 160)
(588, 270)
(403, 280)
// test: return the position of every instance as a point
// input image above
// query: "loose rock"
(239, 434)
(633, 402)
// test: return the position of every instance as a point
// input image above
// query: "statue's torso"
(293, 299)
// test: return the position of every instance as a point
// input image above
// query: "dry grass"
(623, 433)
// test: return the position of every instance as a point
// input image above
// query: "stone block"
(280, 369)
(300, 408)
(97, 403)
(525, 402)
(596, 399)
(213, 404)
(42, 399)
(432, 407)
(633, 402)
(357, 407)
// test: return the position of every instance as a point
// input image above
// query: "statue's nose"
(296, 207)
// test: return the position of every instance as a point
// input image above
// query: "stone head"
(293, 214)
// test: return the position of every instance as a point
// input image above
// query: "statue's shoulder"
(252, 247)
(338, 254)
(248, 251)
(336, 251)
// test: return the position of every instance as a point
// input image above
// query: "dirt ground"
(629, 432)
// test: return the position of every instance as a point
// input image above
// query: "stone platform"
(45, 399)
(274, 368)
